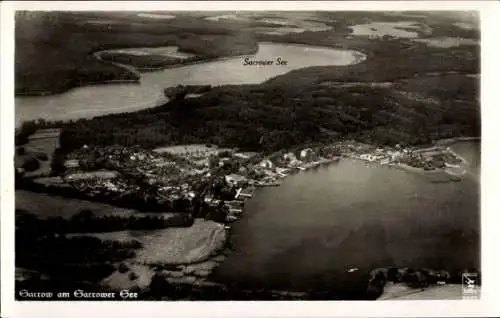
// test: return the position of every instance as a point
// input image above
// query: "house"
(290, 157)
(241, 155)
(224, 161)
(242, 170)
(266, 163)
(306, 153)
(72, 163)
(396, 155)
(366, 157)
(235, 179)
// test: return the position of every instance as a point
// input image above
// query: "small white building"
(396, 155)
(290, 157)
(305, 153)
(73, 163)
(366, 157)
(266, 163)
(242, 170)
(241, 155)
(234, 179)
(223, 161)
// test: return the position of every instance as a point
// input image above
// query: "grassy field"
(43, 206)
(173, 245)
(42, 150)
(186, 149)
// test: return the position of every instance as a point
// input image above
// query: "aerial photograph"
(247, 155)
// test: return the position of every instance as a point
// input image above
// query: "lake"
(96, 100)
(307, 232)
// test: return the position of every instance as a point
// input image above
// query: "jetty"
(234, 210)
(267, 184)
(242, 194)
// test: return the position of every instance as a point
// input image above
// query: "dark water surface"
(306, 233)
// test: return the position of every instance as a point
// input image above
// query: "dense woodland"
(54, 50)
(271, 117)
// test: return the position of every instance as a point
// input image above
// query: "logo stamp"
(470, 286)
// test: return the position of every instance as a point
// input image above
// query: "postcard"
(191, 157)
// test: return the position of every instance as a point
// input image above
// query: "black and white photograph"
(246, 155)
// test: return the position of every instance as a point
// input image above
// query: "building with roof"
(266, 163)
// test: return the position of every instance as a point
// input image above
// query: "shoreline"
(181, 276)
(280, 176)
(64, 90)
(324, 162)
(359, 58)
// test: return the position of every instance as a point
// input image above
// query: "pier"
(241, 194)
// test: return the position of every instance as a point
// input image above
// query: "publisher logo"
(470, 287)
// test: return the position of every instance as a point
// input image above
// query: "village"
(221, 177)
(188, 195)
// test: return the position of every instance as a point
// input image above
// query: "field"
(174, 245)
(42, 151)
(44, 206)
(190, 149)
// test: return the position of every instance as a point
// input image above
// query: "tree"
(83, 217)
(31, 164)
(213, 161)
(159, 285)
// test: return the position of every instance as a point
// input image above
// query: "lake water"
(90, 101)
(307, 232)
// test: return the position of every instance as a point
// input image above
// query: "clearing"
(173, 246)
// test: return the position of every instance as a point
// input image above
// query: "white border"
(490, 16)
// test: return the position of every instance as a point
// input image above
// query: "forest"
(65, 43)
(272, 116)
(430, 95)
